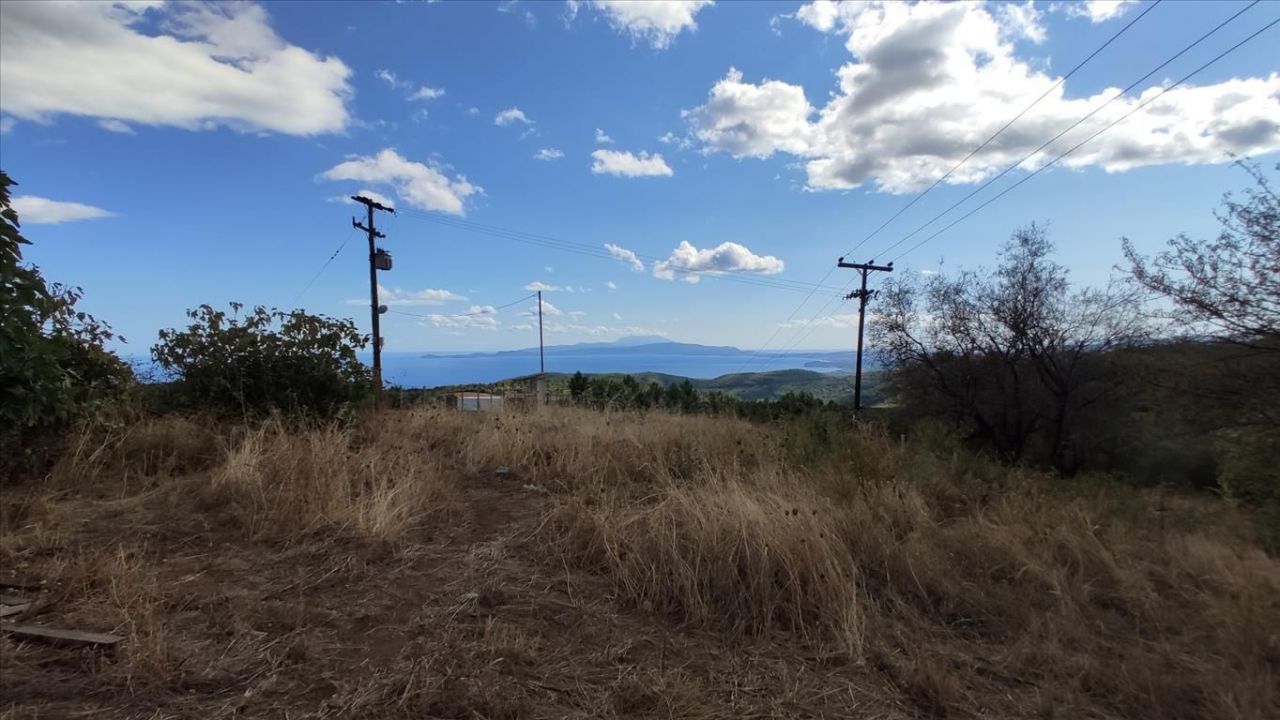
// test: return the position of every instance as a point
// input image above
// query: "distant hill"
(658, 345)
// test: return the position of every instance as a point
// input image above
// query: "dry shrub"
(285, 482)
(724, 555)
(168, 446)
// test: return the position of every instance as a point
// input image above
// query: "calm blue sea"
(413, 370)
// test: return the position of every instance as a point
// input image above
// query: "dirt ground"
(462, 619)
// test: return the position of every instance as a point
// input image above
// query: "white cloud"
(749, 120)
(577, 314)
(374, 196)
(548, 154)
(390, 78)
(480, 317)
(409, 298)
(602, 138)
(625, 164)
(931, 81)
(195, 66)
(511, 115)
(841, 321)
(539, 285)
(625, 255)
(115, 126)
(616, 316)
(1098, 11)
(688, 262)
(509, 6)
(558, 328)
(34, 210)
(611, 284)
(1022, 21)
(426, 93)
(548, 310)
(423, 186)
(656, 22)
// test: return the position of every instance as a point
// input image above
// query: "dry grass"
(294, 482)
(571, 563)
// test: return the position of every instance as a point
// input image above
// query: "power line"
(919, 196)
(325, 266)
(474, 313)
(732, 275)
(1115, 122)
(1071, 127)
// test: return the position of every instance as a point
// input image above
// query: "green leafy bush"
(264, 361)
(53, 364)
(1249, 473)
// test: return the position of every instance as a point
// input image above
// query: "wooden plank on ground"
(25, 631)
(7, 610)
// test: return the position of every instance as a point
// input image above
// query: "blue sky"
(169, 156)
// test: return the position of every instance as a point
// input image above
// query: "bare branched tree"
(1228, 287)
(1014, 355)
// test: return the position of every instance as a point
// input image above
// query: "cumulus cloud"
(656, 22)
(193, 66)
(627, 256)
(548, 154)
(688, 262)
(115, 126)
(626, 164)
(548, 310)
(408, 298)
(33, 210)
(480, 317)
(931, 81)
(1097, 10)
(612, 285)
(424, 186)
(511, 115)
(539, 285)
(602, 138)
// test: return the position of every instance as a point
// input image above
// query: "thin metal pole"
(542, 360)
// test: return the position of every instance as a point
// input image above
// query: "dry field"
(576, 564)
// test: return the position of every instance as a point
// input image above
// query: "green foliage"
(577, 386)
(53, 366)
(1249, 472)
(266, 361)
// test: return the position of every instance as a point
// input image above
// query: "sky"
(688, 169)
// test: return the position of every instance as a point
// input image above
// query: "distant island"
(636, 345)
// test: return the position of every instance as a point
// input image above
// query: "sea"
(414, 369)
(408, 369)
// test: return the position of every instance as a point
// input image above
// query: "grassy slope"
(579, 564)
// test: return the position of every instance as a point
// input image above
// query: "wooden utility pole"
(863, 295)
(375, 309)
